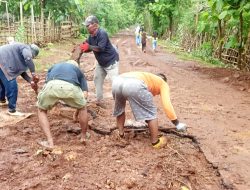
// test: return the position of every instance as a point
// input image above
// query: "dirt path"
(213, 102)
(217, 113)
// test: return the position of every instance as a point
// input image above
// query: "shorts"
(56, 90)
(136, 92)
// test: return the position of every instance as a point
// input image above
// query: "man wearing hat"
(66, 82)
(15, 59)
(105, 53)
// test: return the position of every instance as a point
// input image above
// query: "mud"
(213, 154)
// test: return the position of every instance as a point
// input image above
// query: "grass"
(50, 55)
(192, 56)
(55, 52)
(40, 65)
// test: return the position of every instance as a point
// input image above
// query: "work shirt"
(67, 72)
(107, 54)
(16, 59)
(157, 86)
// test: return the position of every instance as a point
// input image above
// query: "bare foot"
(85, 138)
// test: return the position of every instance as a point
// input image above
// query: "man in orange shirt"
(139, 88)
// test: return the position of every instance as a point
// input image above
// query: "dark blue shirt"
(107, 54)
(67, 72)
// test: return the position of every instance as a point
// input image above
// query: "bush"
(205, 52)
(20, 34)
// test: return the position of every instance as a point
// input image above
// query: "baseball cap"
(90, 20)
(34, 49)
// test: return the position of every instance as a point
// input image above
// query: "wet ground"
(212, 154)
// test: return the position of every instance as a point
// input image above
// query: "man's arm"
(84, 85)
(33, 81)
(101, 44)
(166, 102)
(26, 77)
(82, 80)
(169, 109)
(85, 47)
(27, 55)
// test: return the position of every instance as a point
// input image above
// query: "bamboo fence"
(39, 32)
(228, 56)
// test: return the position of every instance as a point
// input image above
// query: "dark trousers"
(8, 89)
(143, 46)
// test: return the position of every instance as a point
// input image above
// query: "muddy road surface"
(213, 154)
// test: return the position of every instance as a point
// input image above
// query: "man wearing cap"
(65, 82)
(15, 59)
(105, 53)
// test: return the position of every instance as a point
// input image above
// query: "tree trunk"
(42, 2)
(8, 18)
(21, 13)
(33, 27)
(170, 16)
(240, 42)
(220, 39)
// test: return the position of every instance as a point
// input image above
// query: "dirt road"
(213, 102)
(216, 105)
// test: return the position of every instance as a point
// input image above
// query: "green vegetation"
(20, 34)
(41, 66)
(112, 14)
(202, 55)
(204, 28)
